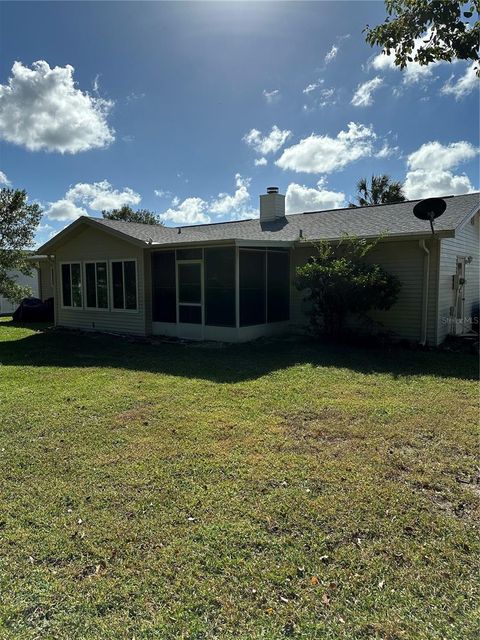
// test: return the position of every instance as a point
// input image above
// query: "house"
(234, 281)
(6, 306)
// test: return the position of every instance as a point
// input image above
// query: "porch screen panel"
(252, 287)
(278, 286)
(220, 287)
(163, 287)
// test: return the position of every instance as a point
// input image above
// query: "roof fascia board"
(155, 246)
(264, 243)
(83, 220)
(379, 237)
(468, 217)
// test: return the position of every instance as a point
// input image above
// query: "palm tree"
(381, 190)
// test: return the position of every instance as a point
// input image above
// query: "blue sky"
(193, 109)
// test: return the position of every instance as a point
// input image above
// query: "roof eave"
(45, 248)
(418, 235)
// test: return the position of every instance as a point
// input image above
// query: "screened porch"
(220, 292)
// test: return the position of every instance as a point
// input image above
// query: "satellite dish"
(429, 209)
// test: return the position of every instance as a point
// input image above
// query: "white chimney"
(272, 205)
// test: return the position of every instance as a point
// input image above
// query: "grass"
(288, 489)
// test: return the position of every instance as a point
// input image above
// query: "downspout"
(426, 282)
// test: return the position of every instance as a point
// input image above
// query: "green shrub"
(340, 283)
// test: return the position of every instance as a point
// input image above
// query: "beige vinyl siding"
(466, 243)
(92, 245)
(45, 287)
(405, 259)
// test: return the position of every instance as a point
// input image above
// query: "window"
(220, 287)
(124, 284)
(278, 286)
(164, 303)
(96, 285)
(252, 287)
(71, 285)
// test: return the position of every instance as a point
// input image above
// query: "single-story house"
(234, 281)
(7, 307)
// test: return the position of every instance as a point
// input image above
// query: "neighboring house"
(234, 281)
(6, 306)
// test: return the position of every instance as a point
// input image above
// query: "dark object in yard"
(34, 310)
(429, 209)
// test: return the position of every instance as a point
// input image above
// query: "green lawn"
(246, 492)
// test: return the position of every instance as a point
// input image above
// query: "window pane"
(102, 285)
(278, 286)
(129, 269)
(220, 287)
(66, 286)
(189, 283)
(252, 287)
(189, 314)
(90, 285)
(117, 284)
(189, 254)
(164, 303)
(76, 285)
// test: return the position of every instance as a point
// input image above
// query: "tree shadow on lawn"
(225, 364)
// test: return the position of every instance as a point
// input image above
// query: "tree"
(340, 283)
(444, 25)
(18, 222)
(127, 214)
(382, 190)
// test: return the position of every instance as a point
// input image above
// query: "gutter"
(426, 283)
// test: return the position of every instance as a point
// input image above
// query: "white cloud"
(271, 96)
(41, 109)
(162, 193)
(414, 72)
(195, 210)
(326, 97)
(429, 170)
(190, 211)
(424, 184)
(64, 210)
(332, 54)
(323, 154)
(101, 195)
(463, 86)
(363, 95)
(301, 198)
(386, 151)
(225, 203)
(134, 97)
(96, 196)
(3, 179)
(269, 143)
(434, 156)
(260, 162)
(311, 87)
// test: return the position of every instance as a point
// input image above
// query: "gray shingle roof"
(386, 220)
(366, 222)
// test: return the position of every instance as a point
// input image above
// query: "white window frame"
(95, 262)
(112, 307)
(62, 305)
